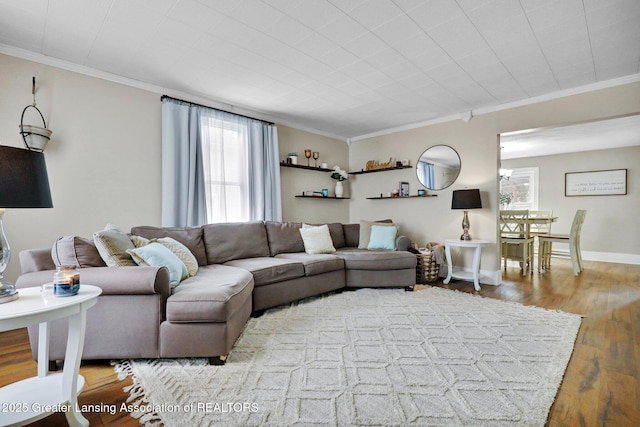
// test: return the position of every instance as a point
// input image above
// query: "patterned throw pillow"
(112, 244)
(181, 251)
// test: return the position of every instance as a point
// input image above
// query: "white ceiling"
(344, 68)
(596, 135)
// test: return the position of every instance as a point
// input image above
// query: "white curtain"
(183, 196)
(224, 147)
(234, 160)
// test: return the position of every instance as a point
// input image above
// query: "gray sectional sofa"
(244, 268)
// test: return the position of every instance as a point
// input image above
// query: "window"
(224, 149)
(520, 191)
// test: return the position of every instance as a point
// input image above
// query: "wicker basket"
(426, 269)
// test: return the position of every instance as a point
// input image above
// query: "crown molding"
(633, 78)
(221, 104)
(114, 78)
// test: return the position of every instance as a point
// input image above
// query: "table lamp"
(23, 184)
(466, 199)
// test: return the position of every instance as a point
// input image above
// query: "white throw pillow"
(317, 240)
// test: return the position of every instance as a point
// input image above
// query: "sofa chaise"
(243, 268)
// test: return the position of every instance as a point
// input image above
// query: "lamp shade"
(23, 179)
(466, 199)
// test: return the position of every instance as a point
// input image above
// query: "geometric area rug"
(381, 357)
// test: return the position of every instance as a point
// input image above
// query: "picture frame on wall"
(403, 188)
(596, 183)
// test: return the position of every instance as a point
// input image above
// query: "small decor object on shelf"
(292, 158)
(421, 192)
(339, 175)
(375, 165)
(316, 156)
(307, 154)
(403, 189)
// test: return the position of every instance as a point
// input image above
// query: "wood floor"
(601, 386)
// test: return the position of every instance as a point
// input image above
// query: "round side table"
(37, 397)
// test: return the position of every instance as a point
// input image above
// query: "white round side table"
(473, 275)
(34, 398)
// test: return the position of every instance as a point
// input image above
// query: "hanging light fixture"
(35, 137)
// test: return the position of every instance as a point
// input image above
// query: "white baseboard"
(611, 257)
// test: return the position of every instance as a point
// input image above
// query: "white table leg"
(447, 251)
(476, 267)
(43, 349)
(73, 355)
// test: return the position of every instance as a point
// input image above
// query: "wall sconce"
(505, 174)
(35, 137)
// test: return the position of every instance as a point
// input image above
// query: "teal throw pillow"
(157, 255)
(383, 237)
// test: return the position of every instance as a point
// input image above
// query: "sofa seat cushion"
(316, 263)
(211, 296)
(362, 259)
(268, 270)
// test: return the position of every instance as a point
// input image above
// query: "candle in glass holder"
(307, 154)
(66, 280)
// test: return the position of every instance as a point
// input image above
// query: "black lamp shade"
(466, 199)
(23, 179)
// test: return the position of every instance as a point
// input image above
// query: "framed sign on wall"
(596, 183)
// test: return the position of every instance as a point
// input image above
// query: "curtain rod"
(217, 109)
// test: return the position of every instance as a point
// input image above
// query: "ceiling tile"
(344, 67)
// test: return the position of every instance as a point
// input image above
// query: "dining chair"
(540, 226)
(516, 242)
(545, 251)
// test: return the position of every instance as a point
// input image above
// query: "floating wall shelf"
(403, 197)
(328, 197)
(360, 172)
(311, 168)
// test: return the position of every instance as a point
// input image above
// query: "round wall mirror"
(438, 167)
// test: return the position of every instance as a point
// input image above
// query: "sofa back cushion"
(235, 240)
(284, 237)
(337, 235)
(351, 235)
(191, 237)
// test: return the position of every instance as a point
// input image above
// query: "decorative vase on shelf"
(339, 189)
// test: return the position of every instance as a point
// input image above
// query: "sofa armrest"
(403, 243)
(112, 280)
(36, 259)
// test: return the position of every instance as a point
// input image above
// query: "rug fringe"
(136, 394)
